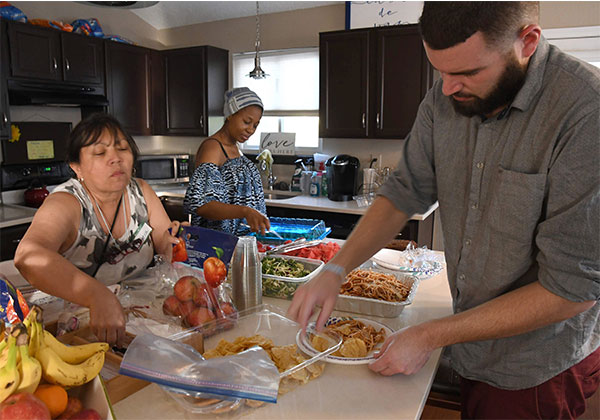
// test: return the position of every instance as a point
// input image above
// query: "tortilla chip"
(319, 343)
(353, 347)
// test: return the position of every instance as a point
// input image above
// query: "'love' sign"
(279, 143)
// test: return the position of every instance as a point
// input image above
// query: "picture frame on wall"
(369, 14)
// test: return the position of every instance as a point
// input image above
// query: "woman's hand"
(107, 318)
(257, 221)
(168, 239)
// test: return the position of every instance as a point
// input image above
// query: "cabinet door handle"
(364, 120)
(377, 120)
(67, 64)
(16, 241)
(55, 64)
(201, 121)
(4, 118)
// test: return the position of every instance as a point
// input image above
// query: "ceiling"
(171, 14)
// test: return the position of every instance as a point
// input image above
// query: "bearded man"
(508, 142)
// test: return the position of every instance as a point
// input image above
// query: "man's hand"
(321, 290)
(406, 351)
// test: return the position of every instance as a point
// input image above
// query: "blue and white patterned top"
(237, 181)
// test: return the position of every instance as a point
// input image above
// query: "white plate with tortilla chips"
(356, 353)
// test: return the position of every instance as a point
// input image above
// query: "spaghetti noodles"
(374, 285)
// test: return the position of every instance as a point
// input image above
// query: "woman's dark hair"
(444, 24)
(89, 130)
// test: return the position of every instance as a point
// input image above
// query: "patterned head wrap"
(238, 98)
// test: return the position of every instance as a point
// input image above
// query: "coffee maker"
(342, 177)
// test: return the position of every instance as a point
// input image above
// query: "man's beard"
(502, 94)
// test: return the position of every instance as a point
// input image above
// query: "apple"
(201, 298)
(74, 406)
(186, 308)
(199, 316)
(215, 271)
(87, 414)
(228, 309)
(24, 406)
(185, 288)
(172, 306)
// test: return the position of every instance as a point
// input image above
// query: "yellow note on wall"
(40, 149)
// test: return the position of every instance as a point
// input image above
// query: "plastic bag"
(10, 12)
(52, 24)
(13, 306)
(118, 38)
(250, 374)
(197, 304)
(89, 27)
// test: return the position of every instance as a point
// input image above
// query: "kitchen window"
(582, 42)
(290, 94)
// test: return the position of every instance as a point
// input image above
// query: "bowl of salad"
(283, 274)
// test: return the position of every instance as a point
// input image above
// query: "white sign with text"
(365, 14)
(278, 143)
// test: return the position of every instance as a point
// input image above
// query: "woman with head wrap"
(226, 187)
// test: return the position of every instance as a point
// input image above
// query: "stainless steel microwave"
(164, 169)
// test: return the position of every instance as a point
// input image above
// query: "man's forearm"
(380, 224)
(525, 309)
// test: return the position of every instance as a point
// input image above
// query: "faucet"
(266, 164)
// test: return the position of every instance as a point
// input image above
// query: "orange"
(54, 396)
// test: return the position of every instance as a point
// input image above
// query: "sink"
(275, 196)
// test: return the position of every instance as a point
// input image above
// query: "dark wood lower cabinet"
(9, 240)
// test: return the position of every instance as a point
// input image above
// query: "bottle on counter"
(315, 185)
(297, 176)
(305, 182)
(324, 183)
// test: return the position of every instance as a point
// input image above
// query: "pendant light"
(257, 72)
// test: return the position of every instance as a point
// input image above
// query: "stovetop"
(15, 177)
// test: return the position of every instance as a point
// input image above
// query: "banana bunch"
(64, 365)
(9, 373)
(29, 353)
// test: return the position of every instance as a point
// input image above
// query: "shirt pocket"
(516, 205)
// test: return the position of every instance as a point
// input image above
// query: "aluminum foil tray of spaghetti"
(376, 292)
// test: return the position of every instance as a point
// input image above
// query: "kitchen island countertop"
(343, 391)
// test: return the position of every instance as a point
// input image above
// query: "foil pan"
(377, 307)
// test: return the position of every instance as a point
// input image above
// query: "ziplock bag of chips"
(178, 366)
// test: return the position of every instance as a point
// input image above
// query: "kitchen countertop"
(343, 391)
(13, 215)
(296, 201)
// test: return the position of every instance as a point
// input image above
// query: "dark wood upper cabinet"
(189, 90)
(344, 73)
(128, 86)
(83, 59)
(35, 52)
(403, 77)
(49, 54)
(4, 107)
(371, 82)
